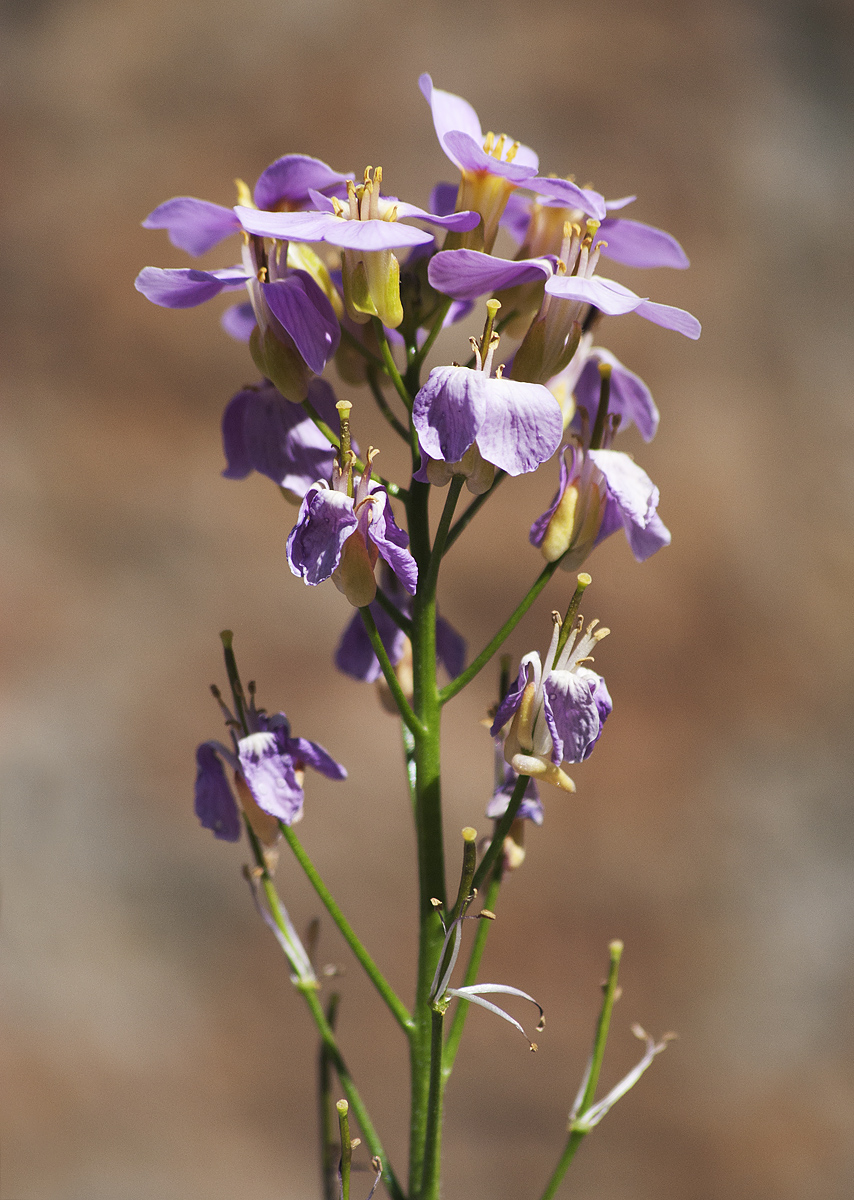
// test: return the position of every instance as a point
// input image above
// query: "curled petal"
(449, 112)
(304, 752)
(292, 177)
(511, 701)
(467, 274)
(572, 715)
(270, 777)
(470, 156)
(194, 225)
(185, 287)
(630, 398)
(305, 313)
(391, 541)
(326, 520)
(569, 195)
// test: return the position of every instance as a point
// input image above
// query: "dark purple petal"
(467, 274)
(517, 216)
(449, 410)
(601, 698)
(450, 648)
(326, 520)
(443, 198)
(291, 177)
(306, 753)
(391, 541)
(270, 777)
(185, 287)
(355, 654)
(510, 703)
(522, 425)
(194, 225)
(569, 195)
(304, 312)
(531, 808)
(469, 155)
(239, 321)
(238, 462)
(575, 713)
(215, 805)
(630, 398)
(639, 245)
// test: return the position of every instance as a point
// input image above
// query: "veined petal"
(270, 777)
(375, 235)
(391, 541)
(575, 714)
(467, 274)
(305, 313)
(215, 805)
(291, 177)
(194, 225)
(606, 295)
(449, 410)
(185, 287)
(639, 245)
(287, 226)
(522, 425)
(569, 195)
(326, 520)
(630, 398)
(629, 485)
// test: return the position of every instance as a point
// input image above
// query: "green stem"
(348, 337)
(383, 406)
(455, 1033)
(576, 1136)
(324, 1096)
(346, 1147)
(456, 685)
(454, 489)
(420, 355)
(394, 1003)
(390, 365)
(472, 510)
(403, 623)
(407, 715)
(393, 489)
(433, 1135)
(501, 830)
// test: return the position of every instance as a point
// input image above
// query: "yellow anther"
(511, 153)
(244, 195)
(489, 143)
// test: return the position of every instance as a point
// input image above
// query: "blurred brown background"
(154, 1048)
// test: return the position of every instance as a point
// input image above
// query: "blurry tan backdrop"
(154, 1049)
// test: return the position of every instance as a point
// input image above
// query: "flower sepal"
(280, 363)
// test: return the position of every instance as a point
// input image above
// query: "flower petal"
(639, 245)
(194, 225)
(304, 752)
(326, 519)
(449, 112)
(457, 221)
(630, 398)
(469, 155)
(567, 695)
(304, 312)
(450, 648)
(291, 177)
(448, 411)
(270, 777)
(569, 194)
(185, 287)
(522, 425)
(215, 805)
(391, 541)
(467, 274)
(239, 321)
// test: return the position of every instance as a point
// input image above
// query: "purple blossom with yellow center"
(491, 167)
(366, 228)
(469, 422)
(555, 712)
(268, 766)
(344, 528)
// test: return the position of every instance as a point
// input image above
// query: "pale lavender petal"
(185, 287)
(510, 703)
(639, 245)
(194, 225)
(239, 321)
(569, 195)
(326, 519)
(630, 398)
(450, 648)
(306, 753)
(613, 205)
(628, 483)
(601, 698)
(215, 805)
(305, 313)
(449, 410)
(291, 178)
(457, 221)
(645, 541)
(374, 235)
(517, 216)
(392, 542)
(610, 297)
(670, 318)
(575, 713)
(467, 274)
(522, 425)
(449, 112)
(288, 226)
(270, 777)
(469, 155)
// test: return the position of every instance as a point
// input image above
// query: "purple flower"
(261, 431)
(555, 712)
(491, 168)
(340, 536)
(577, 390)
(599, 492)
(355, 654)
(269, 767)
(469, 423)
(531, 808)
(367, 228)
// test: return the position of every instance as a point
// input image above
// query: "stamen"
(511, 152)
(489, 143)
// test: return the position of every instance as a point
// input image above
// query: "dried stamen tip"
(534, 1047)
(557, 619)
(486, 914)
(436, 903)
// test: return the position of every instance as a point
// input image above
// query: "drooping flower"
(491, 167)
(344, 528)
(367, 229)
(261, 431)
(599, 492)
(269, 768)
(577, 390)
(555, 712)
(469, 422)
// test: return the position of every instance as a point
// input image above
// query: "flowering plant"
(337, 271)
